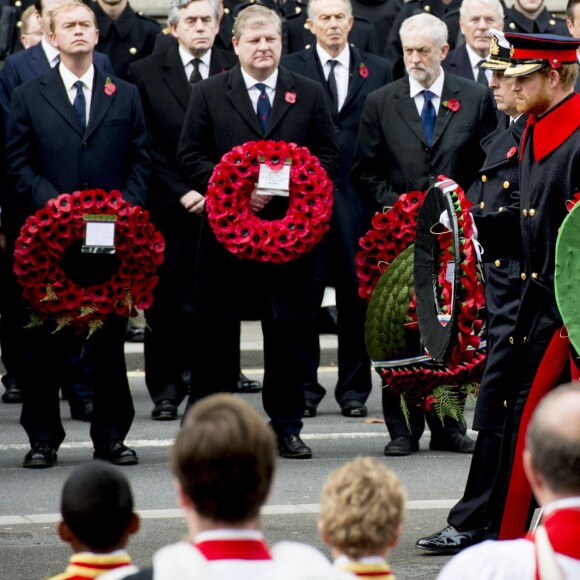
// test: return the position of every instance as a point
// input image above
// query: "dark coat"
(392, 156)
(457, 62)
(127, 39)
(219, 117)
(545, 23)
(29, 64)
(498, 188)
(49, 153)
(351, 213)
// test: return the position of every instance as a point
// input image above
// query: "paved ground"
(29, 500)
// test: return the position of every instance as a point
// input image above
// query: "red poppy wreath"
(53, 233)
(241, 230)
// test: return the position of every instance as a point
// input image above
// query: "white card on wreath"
(275, 181)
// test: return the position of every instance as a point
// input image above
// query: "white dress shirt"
(416, 92)
(341, 70)
(187, 60)
(254, 91)
(52, 53)
(69, 79)
(474, 60)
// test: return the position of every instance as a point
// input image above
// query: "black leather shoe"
(310, 410)
(165, 410)
(401, 446)
(450, 540)
(13, 394)
(116, 453)
(292, 447)
(354, 409)
(457, 443)
(82, 411)
(41, 455)
(246, 385)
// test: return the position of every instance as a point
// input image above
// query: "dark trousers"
(397, 425)
(215, 367)
(354, 371)
(47, 367)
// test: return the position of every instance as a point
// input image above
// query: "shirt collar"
(270, 82)
(49, 50)
(560, 504)
(69, 78)
(186, 57)
(228, 534)
(474, 58)
(436, 88)
(343, 57)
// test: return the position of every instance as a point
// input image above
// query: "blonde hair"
(361, 507)
(70, 5)
(255, 16)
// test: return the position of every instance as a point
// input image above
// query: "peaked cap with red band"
(532, 52)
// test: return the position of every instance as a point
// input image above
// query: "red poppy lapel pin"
(290, 97)
(110, 87)
(511, 152)
(452, 104)
(363, 71)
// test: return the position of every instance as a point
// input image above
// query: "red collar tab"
(563, 527)
(553, 128)
(552, 48)
(554, 58)
(238, 549)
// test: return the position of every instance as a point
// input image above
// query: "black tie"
(428, 116)
(263, 109)
(481, 76)
(80, 105)
(195, 76)
(332, 87)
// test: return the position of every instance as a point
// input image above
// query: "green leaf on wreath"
(62, 322)
(35, 321)
(94, 325)
(405, 411)
(86, 310)
(387, 311)
(127, 300)
(50, 295)
(448, 403)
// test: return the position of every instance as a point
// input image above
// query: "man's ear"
(183, 500)
(134, 523)
(64, 532)
(444, 51)
(322, 532)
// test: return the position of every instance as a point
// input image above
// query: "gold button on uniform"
(506, 184)
(427, 8)
(500, 209)
(484, 178)
(132, 50)
(552, 22)
(18, 4)
(532, 212)
(523, 276)
(497, 263)
(505, 404)
(482, 205)
(512, 26)
(525, 212)
(511, 339)
(297, 10)
(535, 275)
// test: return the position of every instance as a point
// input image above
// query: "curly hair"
(362, 507)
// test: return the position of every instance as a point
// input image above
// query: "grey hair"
(495, 4)
(177, 5)
(424, 21)
(311, 3)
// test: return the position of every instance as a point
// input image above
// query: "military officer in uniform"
(532, 16)
(124, 35)
(573, 24)
(497, 187)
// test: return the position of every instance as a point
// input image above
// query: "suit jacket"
(49, 152)
(29, 64)
(457, 62)
(219, 117)
(165, 93)
(392, 156)
(351, 213)
(545, 23)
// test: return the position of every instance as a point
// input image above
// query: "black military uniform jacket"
(545, 23)
(497, 188)
(127, 39)
(549, 177)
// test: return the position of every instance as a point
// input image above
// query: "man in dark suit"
(19, 68)
(497, 188)
(222, 114)
(354, 74)
(164, 81)
(476, 19)
(52, 147)
(31, 63)
(413, 130)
